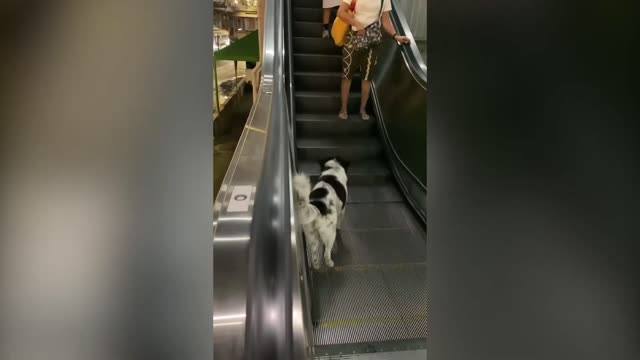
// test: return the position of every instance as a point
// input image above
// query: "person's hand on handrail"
(388, 26)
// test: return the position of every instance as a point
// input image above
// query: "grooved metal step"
(323, 81)
(366, 305)
(351, 149)
(378, 193)
(391, 350)
(315, 45)
(317, 62)
(307, 14)
(366, 172)
(307, 29)
(370, 216)
(322, 102)
(312, 14)
(309, 125)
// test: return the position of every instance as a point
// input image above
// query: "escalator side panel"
(400, 104)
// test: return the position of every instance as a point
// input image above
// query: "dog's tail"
(302, 187)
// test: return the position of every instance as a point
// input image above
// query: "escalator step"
(307, 29)
(369, 172)
(347, 148)
(323, 81)
(396, 245)
(331, 125)
(315, 45)
(315, 4)
(307, 14)
(379, 193)
(368, 216)
(395, 351)
(323, 102)
(312, 14)
(370, 304)
(317, 62)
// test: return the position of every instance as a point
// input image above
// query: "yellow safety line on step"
(254, 129)
(335, 323)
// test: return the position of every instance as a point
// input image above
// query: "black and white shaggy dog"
(321, 211)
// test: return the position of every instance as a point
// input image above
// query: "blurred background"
(105, 211)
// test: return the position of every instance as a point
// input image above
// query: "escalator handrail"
(268, 327)
(289, 69)
(391, 148)
(417, 69)
(303, 325)
(394, 164)
(410, 52)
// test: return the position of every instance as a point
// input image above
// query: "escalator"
(268, 302)
(375, 298)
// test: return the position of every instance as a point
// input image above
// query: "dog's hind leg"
(313, 242)
(328, 236)
(341, 217)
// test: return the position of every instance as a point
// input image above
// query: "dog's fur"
(321, 211)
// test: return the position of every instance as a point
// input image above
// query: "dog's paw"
(315, 262)
(329, 263)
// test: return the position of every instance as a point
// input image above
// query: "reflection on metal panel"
(231, 224)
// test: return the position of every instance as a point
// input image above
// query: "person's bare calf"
(344, 98)
(326, 15)
(366, 89)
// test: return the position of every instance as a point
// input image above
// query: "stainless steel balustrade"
(257, 310)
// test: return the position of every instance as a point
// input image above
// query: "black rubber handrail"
(268, 327)
(417, 69)
(410, 53)
(290, 85)
(395, 160)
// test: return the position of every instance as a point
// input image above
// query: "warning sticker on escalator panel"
(240, 199)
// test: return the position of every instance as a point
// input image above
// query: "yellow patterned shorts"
(364, 59)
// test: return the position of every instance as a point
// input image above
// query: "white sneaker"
(325, 33)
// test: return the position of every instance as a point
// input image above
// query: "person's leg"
(367, 66)
(349, 64)
(366, 88)
(344, 96)
(326, 15)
